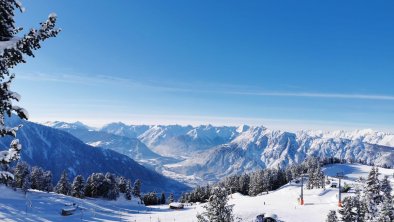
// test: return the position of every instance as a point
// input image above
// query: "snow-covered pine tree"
(63, 186)
(385, 188)
(122, 184)
(171, 198)
(151, 199)
(95, 185)
(266, 179)
(359, 206)
(372, 195)
(48, 186)
(22, 170)
(26, 184)
(346, 211)
(137, 188)
(244, 181)
(257, 183)
(12, 52)
(78, 187)
(163, 198)
(89, 187)
(319, 177)
(217, 208)
(332, 216)
(129, 191)
(112, 191)
(37, 178)
(386, 213)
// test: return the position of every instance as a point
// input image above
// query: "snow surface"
(282, 202)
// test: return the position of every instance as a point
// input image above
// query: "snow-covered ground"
(283, 202)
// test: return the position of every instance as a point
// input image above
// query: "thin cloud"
(318, 95)
(195, 88)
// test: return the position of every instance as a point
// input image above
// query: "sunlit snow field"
(283, 202)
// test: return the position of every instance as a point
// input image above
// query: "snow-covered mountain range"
(208, 153)
(175, 140)
(129, 146)
(57, 150)
(259, 147)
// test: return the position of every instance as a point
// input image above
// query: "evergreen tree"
(7, 25)
(332, 216)
(112, 191)
(346, 211)
(78, 187)
(122, 183)
(171, 198)
(385, 188)
(12, 52)
(47, 181)
(129, 191)
(244, 184)
(372, 195)
(163, 198)
(151, 199)
(95, 185)
(63, 186)
(217, 209)
(37, 178)
(257, 183)
(137, 188)
(386, 213)
(22, 170)
(360, 207)
(26, 184)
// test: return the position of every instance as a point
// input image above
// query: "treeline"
(153, 199)
(332, 160)
(107, 185)
(374, 202)
(264, 180)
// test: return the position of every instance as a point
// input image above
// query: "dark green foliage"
(137, 188)
(151, 199)
(12, 53)
(63, 186)
(22, 170)
(346, 212)
(332, 216)
(122, 183)
(163, 198)
(78, 187)
(129, 190)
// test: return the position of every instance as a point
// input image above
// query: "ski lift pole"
(302, 190)
(340, 175)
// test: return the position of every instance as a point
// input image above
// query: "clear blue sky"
(283, 64)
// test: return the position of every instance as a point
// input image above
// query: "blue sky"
(284, 64)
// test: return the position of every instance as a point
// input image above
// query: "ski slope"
(282, 202)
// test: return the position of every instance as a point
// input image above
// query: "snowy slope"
(57, 150)
(283, 202)
(42, 206)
